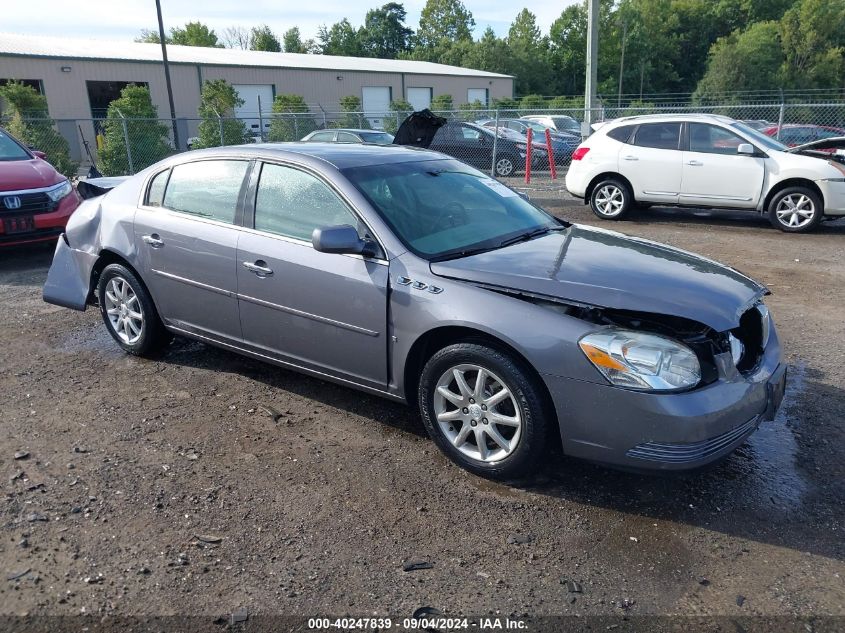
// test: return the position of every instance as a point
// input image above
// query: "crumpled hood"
(609, 270)
(27, 174)
(834, 142)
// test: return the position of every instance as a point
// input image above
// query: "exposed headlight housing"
(766, 323)
(59, 191)
(637, 360)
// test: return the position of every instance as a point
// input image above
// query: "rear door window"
(346, 137)
(207, 188)
(658, 135)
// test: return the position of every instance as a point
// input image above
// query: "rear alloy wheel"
(129, 313)
(611, 199)
(504, 166)
(795, 210)
(483, 409)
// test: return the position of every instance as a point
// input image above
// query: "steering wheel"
(450, 215)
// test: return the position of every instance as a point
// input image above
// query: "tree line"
(706, 47)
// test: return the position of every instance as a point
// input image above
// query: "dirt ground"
(130, 462)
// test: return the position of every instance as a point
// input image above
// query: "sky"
(124, 19)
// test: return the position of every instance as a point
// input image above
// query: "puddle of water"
(90, 339)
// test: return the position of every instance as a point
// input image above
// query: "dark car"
(793, 135)
(473, 144)
(408, 274)
(35, 200)
(349, 135)
(563, 143)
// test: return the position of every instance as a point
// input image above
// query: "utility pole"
(592, 64)
(622, 64)
(167, 74)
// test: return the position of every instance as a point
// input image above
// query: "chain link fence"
(495, 141)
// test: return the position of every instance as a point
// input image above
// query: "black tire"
(532, 442)
(151, 336)
(505, 165)
(611, 199)
(779, 205)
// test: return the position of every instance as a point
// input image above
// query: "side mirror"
(39, 154)
(746, 149)
(341, 239)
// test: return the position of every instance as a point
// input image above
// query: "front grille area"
(685, 453)
(750, 333)
(31, 204)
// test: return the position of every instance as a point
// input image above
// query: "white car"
(707, 161)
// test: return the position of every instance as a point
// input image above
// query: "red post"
(529, 138)
(551, 154)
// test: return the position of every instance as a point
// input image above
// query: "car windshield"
(763, 139)
(537, 127)
(10, 149)
(443, 209)
(382, 138)
(566, 123)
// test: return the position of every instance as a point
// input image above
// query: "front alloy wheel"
(482, 421)
(795, 210)
(485, 410)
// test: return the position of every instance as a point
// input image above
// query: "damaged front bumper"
(667, 431)
(69, 278)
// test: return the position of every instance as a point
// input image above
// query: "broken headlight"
(637, 360)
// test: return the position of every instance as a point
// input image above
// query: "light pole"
(167, 74)
(592, 64)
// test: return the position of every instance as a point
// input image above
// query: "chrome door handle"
(153, 240)
(630, 158)
(695, 163)
(259, 268)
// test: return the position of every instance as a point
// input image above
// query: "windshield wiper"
(524, 237)
(463, 253)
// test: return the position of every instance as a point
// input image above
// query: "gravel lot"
(130, 462)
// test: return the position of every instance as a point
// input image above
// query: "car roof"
(354, 130)
(340, 155)
(658, 118)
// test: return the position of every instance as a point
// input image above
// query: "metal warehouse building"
(80, 77)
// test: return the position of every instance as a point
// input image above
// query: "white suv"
(702, 160)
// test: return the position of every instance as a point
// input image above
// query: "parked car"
(473, 144)
(707, 161)
(559, 122)
(793, 135)
(407, 274)
(35, 200)
(562, 144)
(348, 135)
(757, 124)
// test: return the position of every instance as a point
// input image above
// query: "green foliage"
(533, 102)
(192, 34)
(384, 34)
(472, 111)
(506, 103)
(292, 40)
(148, 137)
(262, 38)
(750, 59)
(31, 124)
(341, 39)
(195, 34)
(350, 105)
(529, 52)
(441, 103)
(291, 118)
(401, 109)
(443, 20)
(217, 110)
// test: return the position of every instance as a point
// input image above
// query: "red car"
(35, 200)
(794, 134)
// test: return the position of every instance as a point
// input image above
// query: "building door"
(376, 102)
(419, 98)
(477, 94)
(251, 93)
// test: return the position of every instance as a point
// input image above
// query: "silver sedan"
(407, 274)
